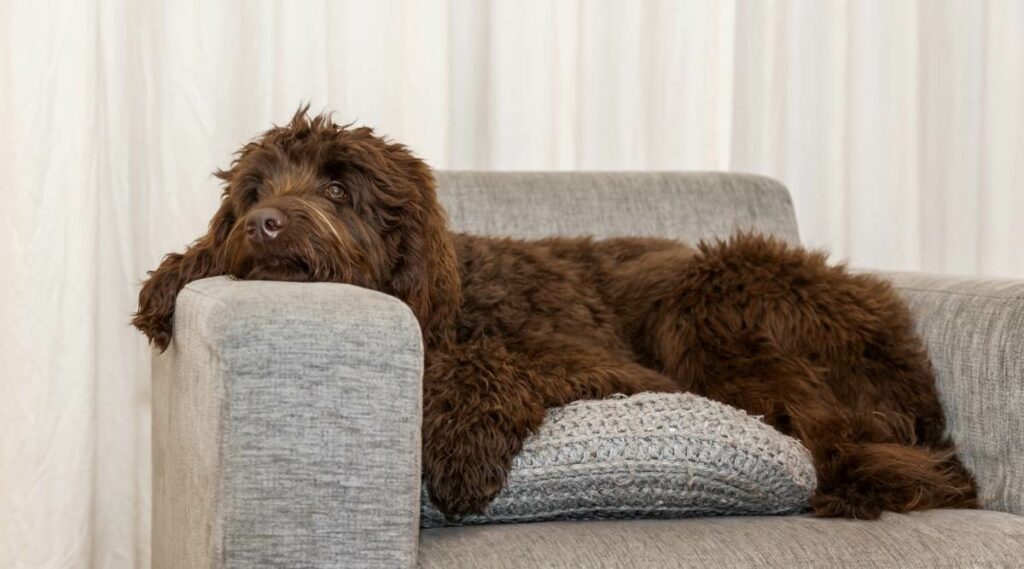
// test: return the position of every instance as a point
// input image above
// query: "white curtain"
(897, 124)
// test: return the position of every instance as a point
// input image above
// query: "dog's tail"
(861, 480)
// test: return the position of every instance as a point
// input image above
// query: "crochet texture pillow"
(652, 455)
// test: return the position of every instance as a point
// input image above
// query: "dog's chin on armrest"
(314, 201)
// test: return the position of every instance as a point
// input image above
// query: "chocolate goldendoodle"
(514, 327)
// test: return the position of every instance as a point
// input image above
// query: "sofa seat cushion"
(652, 455)
(939, 538)
(927, 540)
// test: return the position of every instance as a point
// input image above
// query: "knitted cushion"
(650, 455)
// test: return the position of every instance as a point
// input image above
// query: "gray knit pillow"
(652, 455)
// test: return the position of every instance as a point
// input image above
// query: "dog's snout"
(265, 223)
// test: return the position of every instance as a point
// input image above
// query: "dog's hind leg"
(865, 463)
(828, 357)
(881, 456)
(863, 479)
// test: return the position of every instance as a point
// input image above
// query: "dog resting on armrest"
(513, 327)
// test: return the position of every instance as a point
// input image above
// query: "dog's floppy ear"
(202, 259)
(426, 276)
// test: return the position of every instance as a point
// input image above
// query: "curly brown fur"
(515, 327)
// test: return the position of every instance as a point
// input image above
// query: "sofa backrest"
(679, 205)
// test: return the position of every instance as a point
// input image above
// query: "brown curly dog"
(514, 327)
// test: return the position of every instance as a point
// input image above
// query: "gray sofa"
(286, 416)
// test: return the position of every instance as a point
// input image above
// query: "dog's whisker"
(324, 222)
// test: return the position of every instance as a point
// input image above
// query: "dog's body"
(512, 327)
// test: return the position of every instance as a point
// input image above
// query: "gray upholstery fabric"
(653, 455)
(929, 540)
(974, 329)
(680, 205)
(287, 428)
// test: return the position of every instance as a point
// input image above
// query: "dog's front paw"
(466, 460)
(157, 300)
(157, 328)
(478, 409)
(461, 489)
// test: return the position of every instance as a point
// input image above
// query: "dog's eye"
(335, 191)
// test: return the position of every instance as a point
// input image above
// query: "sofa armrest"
(286, 428)
(974, 330)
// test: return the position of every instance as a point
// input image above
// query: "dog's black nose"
(264, 223)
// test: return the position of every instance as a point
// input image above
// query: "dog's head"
(315, 201)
